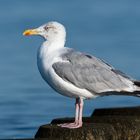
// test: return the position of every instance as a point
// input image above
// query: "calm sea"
(107, 29)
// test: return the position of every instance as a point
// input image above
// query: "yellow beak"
(30, 32)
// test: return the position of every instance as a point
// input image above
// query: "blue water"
(108, 29)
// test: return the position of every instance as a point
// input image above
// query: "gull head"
(50, 31)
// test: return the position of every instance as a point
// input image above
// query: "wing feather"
(88, 72)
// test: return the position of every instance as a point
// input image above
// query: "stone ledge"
(104, 124)
(84, 133)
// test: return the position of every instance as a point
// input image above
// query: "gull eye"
(46, 28)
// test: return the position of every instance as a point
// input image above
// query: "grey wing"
(89, 72)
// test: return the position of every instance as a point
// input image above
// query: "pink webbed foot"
(71, 125)
(67, 124)
(75, 124)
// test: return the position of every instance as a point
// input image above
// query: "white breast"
(45, 62)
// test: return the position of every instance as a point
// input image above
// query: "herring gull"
(75, 74)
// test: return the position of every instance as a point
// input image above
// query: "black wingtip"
(137, 83)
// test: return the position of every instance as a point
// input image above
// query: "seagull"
(75, 74)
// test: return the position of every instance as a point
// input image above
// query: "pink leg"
(76, 110)
(80, 112)
(78, 115)
(79, 124)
